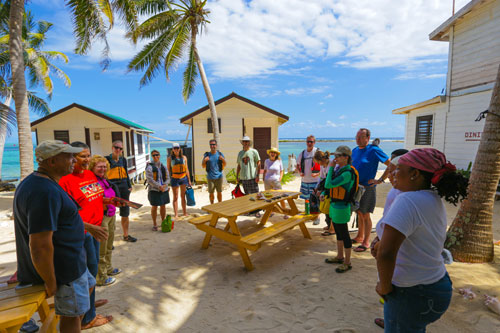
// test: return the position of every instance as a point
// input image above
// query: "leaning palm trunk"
(3, 134)
(470, 237)
(19, 87)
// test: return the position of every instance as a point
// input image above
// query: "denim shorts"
(411, 309)
(72, 299)
(175, 182)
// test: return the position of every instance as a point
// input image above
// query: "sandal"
(130, 239)
(360, 248)
(379, 322)
(155, 228)
(99, 320)
(343, 268)
(334, 260)
(327, 233)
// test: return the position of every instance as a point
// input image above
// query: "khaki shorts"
(214, 184)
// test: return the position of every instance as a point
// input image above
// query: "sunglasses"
(118, 148)
(213, 144)
(176, 148)
(155, 155)
(310, 141)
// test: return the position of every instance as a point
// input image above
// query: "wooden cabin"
(447, 122)
(238, 116)
(98, 130)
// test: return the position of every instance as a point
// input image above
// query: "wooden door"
(262, 142)
(87, 137)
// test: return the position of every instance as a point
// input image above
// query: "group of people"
(65, 218)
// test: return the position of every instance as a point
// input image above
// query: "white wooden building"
(448, 122)
(238, 116)
(98, 130)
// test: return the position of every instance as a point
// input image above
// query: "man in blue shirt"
(214, 162)
(50, 235)
(365, 158)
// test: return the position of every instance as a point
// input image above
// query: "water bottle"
(308, 210)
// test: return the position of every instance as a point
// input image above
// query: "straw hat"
(246, 138)
(273, 150)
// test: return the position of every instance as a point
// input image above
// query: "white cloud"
(342, 117)
(366, 123)
(321, 103)
(262, 37)
(305, 91)
(328, 96)
(419, 76)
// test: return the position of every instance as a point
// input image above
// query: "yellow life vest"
(117, 173)
(339, 193)
(178, 168)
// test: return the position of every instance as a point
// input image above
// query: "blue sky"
(332, 66)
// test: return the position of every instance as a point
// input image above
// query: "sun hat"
(428, 159)
(273, 150)
(245, 138)
(343, 150)
(175, 144)
(51, 148)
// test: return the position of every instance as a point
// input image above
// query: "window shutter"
(209, 126)
(62, 135)
(423, 132)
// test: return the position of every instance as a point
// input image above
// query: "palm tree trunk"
(3, 134)
(19, 87)
(210, 98)
(470, 237)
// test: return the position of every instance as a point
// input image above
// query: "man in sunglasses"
(118, 175)
(214, 161)
(309, 171)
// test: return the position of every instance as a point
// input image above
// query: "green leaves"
(190, 75)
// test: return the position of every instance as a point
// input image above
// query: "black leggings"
(342, 232)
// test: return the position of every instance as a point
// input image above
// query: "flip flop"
(379, 322)
(99, 320)
(343, 268)
(327, 233)
(360, 248)
(355, 241)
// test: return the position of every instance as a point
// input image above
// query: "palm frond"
(190, 75)
(55, 55)
(37, 104)
(182, 35)
(105, 8)
(60, 74)
(152, 27)
(148, 7)
(127, 11)
(8, 116)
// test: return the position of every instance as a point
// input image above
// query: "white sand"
(170, 284)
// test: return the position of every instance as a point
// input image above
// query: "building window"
(61, 135)
(209, 126)
(423, 134)
(139, 144)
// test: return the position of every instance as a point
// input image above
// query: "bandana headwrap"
(430, 160)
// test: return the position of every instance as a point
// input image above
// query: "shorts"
(306, 189)
(124, 194)
(214, 184)
(272, 185)
(73, 299)
(368, 200)
(158, 198)
(176, 182)
(250, 186)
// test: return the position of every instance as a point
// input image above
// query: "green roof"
(122, 120)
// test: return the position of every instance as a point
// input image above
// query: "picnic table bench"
(17, 306)
(231, 209)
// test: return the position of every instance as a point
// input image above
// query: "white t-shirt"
(421, 217)
(308, 160)
(274, 169)
(323, 171)
(391, 196)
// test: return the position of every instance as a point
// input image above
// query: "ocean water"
(10, 166)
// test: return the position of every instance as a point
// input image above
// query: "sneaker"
(115, 271)
(316, 222)
(29, 327)
(108, 281)
(257, 215)
(130, 239)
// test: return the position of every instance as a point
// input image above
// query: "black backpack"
(219, 162)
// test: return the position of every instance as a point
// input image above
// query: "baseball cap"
(175, 144)
(51, 148)
(343, 150)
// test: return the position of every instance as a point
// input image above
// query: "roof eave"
(441, 32)
(407, 109)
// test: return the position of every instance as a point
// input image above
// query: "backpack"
(315, 167)
(155, 173)
(219, 162)
(339, 193)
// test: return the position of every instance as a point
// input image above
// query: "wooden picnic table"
(17, 306)
(231, 209)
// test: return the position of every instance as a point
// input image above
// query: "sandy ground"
(169, 284)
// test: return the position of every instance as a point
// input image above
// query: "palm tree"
(173, 28)
(89, 21)
(38, 65)
(470, 237)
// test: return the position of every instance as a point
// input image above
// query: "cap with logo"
(51, 148)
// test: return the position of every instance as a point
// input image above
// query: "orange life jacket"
(178, 168)
(339, 193)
